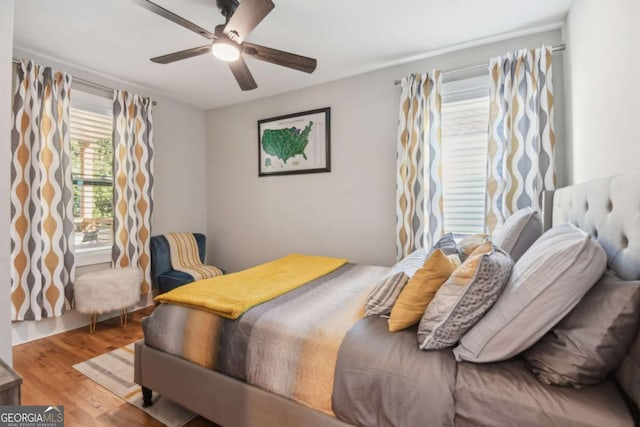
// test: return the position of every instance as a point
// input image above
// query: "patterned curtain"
(419, 182)
(521, 138)
(42, 264)
(133, 183)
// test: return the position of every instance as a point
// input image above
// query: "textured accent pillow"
(419, 292)
(518, 233)
(469, 244)
(545, 284)
(465, 297)
(384, 294)
(593, 339)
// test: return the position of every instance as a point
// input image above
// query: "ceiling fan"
(227, 41)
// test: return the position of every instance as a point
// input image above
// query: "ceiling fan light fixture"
(225, 50)
(227, 42)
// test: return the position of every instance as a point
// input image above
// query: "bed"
(244, 373)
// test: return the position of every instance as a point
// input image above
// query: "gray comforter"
(383, 379)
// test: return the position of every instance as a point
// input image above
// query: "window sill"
(94, 256)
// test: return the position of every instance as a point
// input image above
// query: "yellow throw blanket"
(185, 257)
(232, 294)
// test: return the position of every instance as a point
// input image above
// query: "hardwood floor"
(46, 366)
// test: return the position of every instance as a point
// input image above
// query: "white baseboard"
(29, 330)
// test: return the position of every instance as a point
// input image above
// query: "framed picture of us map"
(295, 143)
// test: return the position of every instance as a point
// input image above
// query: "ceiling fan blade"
(246, 17)
(242, 74)
(183, 54)
(279, 57)
(159, 10)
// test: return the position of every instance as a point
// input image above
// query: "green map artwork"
(285, 143)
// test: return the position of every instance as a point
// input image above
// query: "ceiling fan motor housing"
(227, 7)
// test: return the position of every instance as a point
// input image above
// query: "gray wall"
(180, 186)
(6, 47)
(349, 212)
(603, 94)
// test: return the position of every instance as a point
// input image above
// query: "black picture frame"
(310, 153)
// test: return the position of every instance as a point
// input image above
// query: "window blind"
(464, 162)
(92, 177)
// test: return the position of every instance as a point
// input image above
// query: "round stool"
(108, 290)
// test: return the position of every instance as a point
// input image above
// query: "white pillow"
(409, 264)
(545, 284)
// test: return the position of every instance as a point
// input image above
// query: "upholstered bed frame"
(608, 208)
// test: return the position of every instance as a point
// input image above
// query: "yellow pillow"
(420, 290)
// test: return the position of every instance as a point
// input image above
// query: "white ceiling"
(347, 37)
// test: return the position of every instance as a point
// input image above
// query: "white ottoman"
(108, 290)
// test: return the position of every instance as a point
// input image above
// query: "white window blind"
(92, 177)
(465, 117)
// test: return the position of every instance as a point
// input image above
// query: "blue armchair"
(163, 277)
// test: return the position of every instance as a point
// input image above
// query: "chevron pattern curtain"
(42, 262)
(521, 137)
(419, 218)
(133, 183)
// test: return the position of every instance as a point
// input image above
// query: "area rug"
(114, 371)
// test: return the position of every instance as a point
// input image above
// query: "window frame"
(86, 101)
(463, 89)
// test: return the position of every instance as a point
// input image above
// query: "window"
(91, 127)
(465, 118)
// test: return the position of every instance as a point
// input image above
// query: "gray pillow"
(628, 375)
(518, 232)
(447, 244)
(593, 339)
(545, 284)
(382, 298)
(463, 299)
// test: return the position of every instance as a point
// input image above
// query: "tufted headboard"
(609, 209)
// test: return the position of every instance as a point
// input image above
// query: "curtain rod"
(89, 83)
(554, 49)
